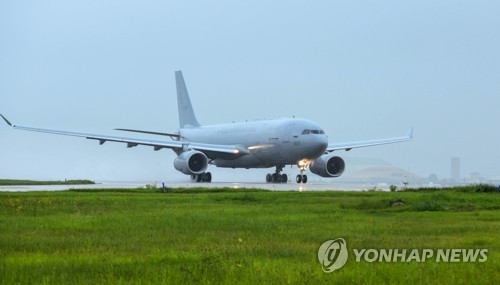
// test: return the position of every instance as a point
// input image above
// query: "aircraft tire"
(207, 177)
(269, 178)
(276, 178)
(298, 178)
(284, 178)
(304, 178)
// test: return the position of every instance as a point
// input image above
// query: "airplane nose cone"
(321, 143)
(324, 143)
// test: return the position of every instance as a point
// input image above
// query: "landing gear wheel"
(301, 178)
(206, 177)
(276, 178)
(269, 178)
(203, 177)
(304, 178)
(284, 178)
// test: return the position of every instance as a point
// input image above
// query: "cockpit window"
(316, 132)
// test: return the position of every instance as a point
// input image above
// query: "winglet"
(7, 121)
(410, 133)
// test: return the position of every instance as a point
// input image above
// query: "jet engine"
(327, 165)
(191, 162)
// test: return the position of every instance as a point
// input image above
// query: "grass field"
(240, 236)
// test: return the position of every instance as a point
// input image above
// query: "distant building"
(385, 174)
(375, 171)
(455, 169)
(476, 178)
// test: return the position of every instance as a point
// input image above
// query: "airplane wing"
(212, 149)
(350, 145)
(151, 133)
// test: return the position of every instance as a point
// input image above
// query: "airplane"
(258, 144)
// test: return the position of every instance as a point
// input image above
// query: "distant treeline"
(15, 182)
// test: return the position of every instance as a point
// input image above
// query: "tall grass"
(244, 236)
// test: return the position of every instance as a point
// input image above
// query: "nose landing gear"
(303, 164)
(301, 178)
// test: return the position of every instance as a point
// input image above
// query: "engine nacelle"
(191, 162)
(327, 165)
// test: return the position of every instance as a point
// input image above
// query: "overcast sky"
(361, 69)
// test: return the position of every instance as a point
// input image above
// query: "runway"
(271, 186)
(235, 185)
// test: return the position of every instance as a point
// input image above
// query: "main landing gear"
(203, 177)
(277, 177)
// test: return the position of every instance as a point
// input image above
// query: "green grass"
(240, 236)
(16, 182)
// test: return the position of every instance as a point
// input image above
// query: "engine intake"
(327, 165)
(191, 162)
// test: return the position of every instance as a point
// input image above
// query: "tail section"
(187, 118)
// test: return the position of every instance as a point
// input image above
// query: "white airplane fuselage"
(270, 142)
